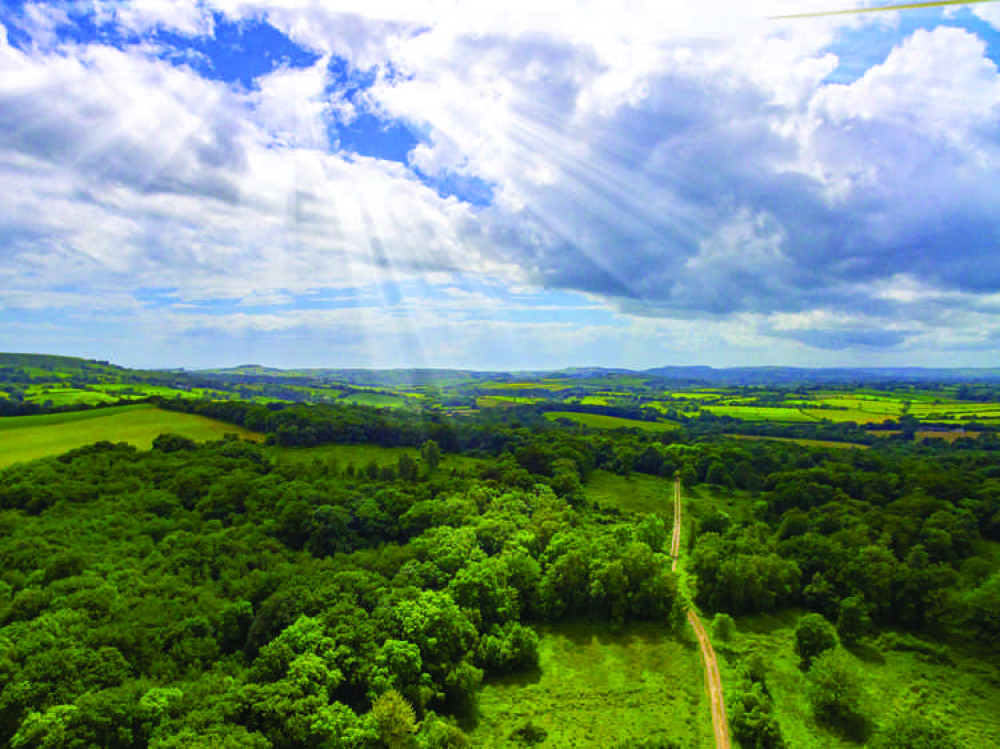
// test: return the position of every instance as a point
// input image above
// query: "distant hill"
(69, 366)
(801, 375)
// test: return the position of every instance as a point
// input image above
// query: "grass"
(380, 400)
(637, 493)
(600, 421)
(65, 396)
(531, 385)
(962, 696)
(597, 689)
(762, 413)
(798, 441)
(501, 401)
(362, 455)
(702, 499)
(24, 438)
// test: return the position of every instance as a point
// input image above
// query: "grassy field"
(762, 413)
(502, 401)
(595, 400)
(600, 421)
(596, 689)
(64, 396)
(637, 493)
(797, 441)
(362, 455)
(962, 695)
(531, 385)
(380, 400)
(25, 438)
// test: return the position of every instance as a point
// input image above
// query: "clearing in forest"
(595, 688)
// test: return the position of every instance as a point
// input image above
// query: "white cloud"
(681, 162)
(187, 17)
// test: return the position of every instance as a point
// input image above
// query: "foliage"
(813, 636)
(837, 694)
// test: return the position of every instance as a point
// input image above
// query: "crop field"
(595, 688)
(25, 438)
(600, 421)
(961, 695)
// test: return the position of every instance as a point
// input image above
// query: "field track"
(713, 680)
(675, 541)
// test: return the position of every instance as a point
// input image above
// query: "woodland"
(210, 595)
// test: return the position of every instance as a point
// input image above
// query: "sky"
(532, 184)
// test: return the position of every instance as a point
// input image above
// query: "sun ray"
(881, 8)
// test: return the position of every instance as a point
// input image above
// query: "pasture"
(600, 421)
(762, 413)
(596, 688)
(24, 438)
(798, 441)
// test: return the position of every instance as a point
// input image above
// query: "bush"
(753, 721)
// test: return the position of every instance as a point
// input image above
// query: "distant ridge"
(694, 375)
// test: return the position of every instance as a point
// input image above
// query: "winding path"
(713, 680)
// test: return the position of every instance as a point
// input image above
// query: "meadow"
(809, 442)
(959, 692)
(639, 492)
(597, 688)
(600, 421)
(24, 438)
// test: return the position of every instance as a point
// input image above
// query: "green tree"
(723, 626)
(853, 622)
(837, 693)
(813, 636)
(395, 720)
(431, 454)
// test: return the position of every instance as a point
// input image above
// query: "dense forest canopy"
(211, 595)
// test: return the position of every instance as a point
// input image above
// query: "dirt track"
(713, 681)
(675, 542)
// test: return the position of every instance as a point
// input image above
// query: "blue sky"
(547, 184)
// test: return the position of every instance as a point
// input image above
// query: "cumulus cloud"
(680, 163)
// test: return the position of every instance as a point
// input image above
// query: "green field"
(797, 441)
(380, 400)
(600, 421)
(639, 492)
(502, 401)
(961, 696)
(25, 438)
(65, 396)
(764, 413)
(533, 385)
(597, 689)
